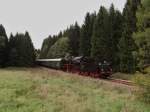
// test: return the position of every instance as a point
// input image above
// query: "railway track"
(120, 81)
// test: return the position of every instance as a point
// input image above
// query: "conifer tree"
(112, 29)
(100, 48)
(127, 44)
(86, 34)
(115, 32)
(21, 50)
(13, 53)
(126, 47)
(3, 46)
(129, 13)
(30, 51)
(74, 37)
(141, 37)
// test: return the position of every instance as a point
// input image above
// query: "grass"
(129, 76)
(123, 76)
(43, 90)
(147, 70)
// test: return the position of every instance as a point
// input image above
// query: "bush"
(143, 93)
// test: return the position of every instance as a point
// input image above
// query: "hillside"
(45, 90)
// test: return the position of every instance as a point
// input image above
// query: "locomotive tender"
(81, 65)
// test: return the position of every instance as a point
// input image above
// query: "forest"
(121, 38)
(16, 51)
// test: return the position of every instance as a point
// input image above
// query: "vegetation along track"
(126, 82)
(120, 81)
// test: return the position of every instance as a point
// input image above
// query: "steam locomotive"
(81, 65)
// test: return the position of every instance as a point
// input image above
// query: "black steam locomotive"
(81, 65)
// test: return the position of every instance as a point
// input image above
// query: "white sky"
(42, 18)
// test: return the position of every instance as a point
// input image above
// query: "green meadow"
(45, 90)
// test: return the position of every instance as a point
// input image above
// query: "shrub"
(143, 81)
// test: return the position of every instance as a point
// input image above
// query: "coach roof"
(59, 59)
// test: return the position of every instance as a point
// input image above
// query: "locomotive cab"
(105, 69)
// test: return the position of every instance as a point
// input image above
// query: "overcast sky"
(47, 17)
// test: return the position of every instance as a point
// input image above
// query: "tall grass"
(42, 90)
(143, 82)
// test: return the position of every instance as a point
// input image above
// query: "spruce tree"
(141, 37)
(21, 50)
(74, 37)
(130, 11)
(30, 51)
(127, 44)
(86, 34)
(126, 47)
(100, 49)
(13, 53)
(115, 32)
(3, 46)
(112, 29)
